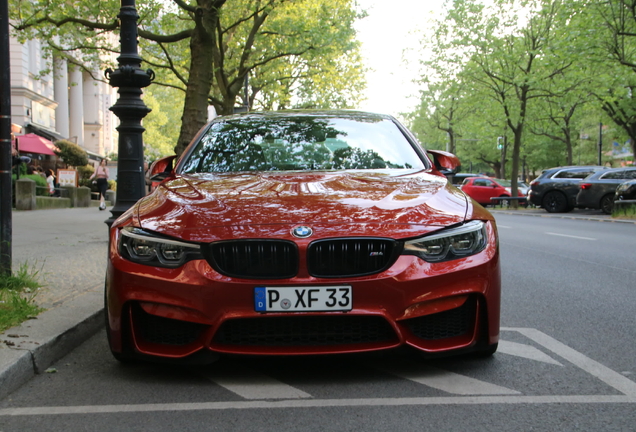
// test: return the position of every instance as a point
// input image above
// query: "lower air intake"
(304, 331)
(447, 324)
(159, 330)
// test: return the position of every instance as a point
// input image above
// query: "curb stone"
(597, 218)
(32, 347)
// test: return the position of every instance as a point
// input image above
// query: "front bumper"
(173, 313)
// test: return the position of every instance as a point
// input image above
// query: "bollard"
(25, 194)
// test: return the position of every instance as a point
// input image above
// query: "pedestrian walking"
(101, 178)
(50, 181)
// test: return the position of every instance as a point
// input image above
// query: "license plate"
(295, 299)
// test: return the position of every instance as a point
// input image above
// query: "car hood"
(257, 205)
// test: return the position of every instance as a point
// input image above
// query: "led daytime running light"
(454, 243)
(142, 247)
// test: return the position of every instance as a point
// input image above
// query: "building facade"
(59, 100)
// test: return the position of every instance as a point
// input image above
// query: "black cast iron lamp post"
(130, 109)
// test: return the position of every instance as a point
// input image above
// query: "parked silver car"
(597, 190)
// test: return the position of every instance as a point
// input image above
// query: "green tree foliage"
(162, 123)
(541, 73)
(71, 153)
(209, 48)
(443, 106)
(606, 37)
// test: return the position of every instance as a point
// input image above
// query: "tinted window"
(630, 174)
(482, 182)
(614, 175)
(303, 142)
(573, 174)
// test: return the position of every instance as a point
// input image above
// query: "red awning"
(32, 143)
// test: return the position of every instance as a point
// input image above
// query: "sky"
(391, 34)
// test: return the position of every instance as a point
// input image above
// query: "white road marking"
(503, 226)
(253, 385)
(449, 382)
(594, 368)
(570, 236)
(525, 351)
(319, 403)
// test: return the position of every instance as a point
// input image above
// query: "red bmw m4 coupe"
(303, 232)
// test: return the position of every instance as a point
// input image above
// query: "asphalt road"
(566, 362)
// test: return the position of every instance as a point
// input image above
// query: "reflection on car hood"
(376, 203)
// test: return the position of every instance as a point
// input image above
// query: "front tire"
(555, 202)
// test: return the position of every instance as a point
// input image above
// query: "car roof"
(342, 113)
(609, 170)
(483, 178)
(574, 168)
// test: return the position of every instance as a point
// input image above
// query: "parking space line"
(525, 351)
(250, 384)
(318, 403)
(594, 368)
(449, 382)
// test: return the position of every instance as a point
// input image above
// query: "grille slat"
(304, 331)
(253, 259)
(279, 259)
(350, 257)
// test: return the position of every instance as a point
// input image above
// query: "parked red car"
(482, 189)
(303, 232)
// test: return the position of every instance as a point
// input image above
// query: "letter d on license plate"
(298, 299)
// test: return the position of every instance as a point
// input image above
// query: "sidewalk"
(68, 247)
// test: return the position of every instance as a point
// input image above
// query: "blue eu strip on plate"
(259, 299)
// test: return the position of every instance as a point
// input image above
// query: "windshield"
(305, 143)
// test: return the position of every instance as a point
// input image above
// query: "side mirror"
(161, 168)
(445, 162)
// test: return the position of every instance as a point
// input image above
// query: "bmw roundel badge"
(302, 232)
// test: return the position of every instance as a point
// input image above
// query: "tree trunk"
(514, 171)
(200, 79)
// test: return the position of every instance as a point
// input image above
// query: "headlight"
(449, 244)
(147, 248)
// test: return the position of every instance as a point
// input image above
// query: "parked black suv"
(626, 191)
(556, 188)
(597, 191)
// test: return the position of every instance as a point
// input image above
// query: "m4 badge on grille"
(302, 232)
(376, 254)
